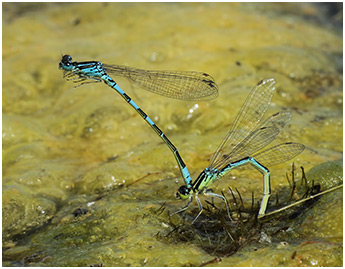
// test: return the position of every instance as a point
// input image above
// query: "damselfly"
(240, 147)
(185, 85)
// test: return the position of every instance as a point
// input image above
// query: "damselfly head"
(66, 62)
(183, 192)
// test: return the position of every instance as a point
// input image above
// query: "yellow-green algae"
(66, 148)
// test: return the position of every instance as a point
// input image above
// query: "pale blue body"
(180, 84)
(247, 136)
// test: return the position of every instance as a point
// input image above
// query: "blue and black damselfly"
(184, 85)
(247, 136)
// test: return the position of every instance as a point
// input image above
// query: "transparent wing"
(184, 85)
(247, 120)
(258, 139)
(278, 154)
(279, 120)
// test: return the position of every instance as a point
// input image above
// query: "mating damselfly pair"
(241, 146)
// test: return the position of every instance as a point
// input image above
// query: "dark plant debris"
(220, 237)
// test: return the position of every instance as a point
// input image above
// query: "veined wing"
(278, 154)
(258, 139)
(247, 120)
(184, 85)
(279, 120)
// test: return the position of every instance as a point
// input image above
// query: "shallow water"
(66, 148)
